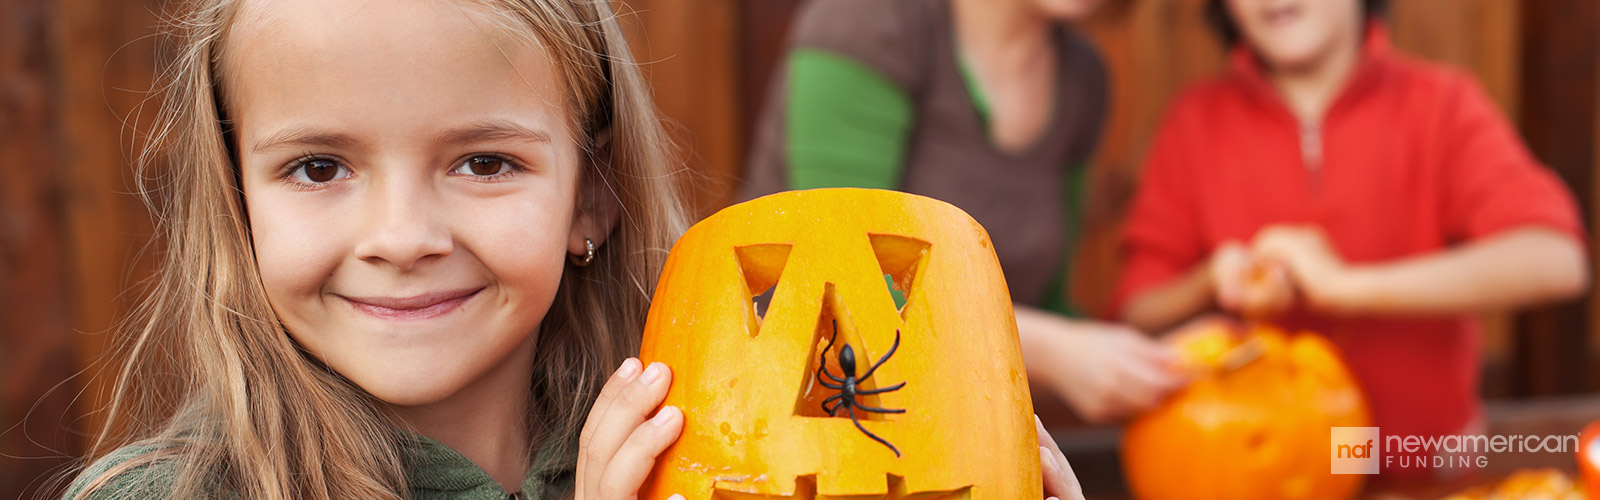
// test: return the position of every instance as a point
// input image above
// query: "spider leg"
(895, 387)
(875, 409)
(831, 338)
(836, 387)
(844, 404)
(836, 380)
(833, 397)
(884, 358)
(822, 360)
(827, 409)
(869, 433)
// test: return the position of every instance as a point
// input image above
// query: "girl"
(406, 241)
(994, 106)
(1337, 186)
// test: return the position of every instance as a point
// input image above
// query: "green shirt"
(434, 471)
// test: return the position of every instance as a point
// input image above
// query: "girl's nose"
(404, 227)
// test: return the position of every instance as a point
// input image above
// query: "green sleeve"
(846, 124)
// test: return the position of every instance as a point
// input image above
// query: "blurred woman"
(992, 105)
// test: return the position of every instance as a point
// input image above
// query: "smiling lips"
(425, 306)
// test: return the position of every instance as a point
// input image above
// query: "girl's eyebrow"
(483, 131)
(303, 137)
(492, 130)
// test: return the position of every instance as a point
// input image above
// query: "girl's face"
(1297, 34)
(411, 180)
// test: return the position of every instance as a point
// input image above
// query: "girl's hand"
(619, 445)
(1059, 481)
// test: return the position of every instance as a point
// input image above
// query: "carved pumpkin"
(747, 378)
(1259, 431)
(1526, 484)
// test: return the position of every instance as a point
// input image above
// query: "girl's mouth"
(418, 307)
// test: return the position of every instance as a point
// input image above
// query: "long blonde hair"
(214, 390)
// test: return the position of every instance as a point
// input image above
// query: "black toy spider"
(846, 398)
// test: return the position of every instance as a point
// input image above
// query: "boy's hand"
(1228, 269)
(619, 446)
(1248, 285)
(1316, 269)
(1268, 290)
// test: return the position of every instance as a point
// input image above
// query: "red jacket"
(1410, 159)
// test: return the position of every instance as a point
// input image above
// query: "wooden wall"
(72, 71)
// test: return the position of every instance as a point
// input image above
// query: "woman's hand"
(1103, 370)
(1059, 481)
(619, 444)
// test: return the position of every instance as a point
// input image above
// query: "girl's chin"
(405, 394)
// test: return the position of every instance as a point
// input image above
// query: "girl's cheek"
(522, 242)
(298, 246)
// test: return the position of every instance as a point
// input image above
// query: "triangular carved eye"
(761, 265)
(899, 257)
(833, 326)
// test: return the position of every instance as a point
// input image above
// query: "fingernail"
(675, 496)
(664, 416)
(1047, 459)
(652, 373)
(630, 367)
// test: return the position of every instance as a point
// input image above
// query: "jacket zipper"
(1311, 152)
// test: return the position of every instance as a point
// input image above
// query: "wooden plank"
(105, 56)
(1594, 250)
(35, 349)
(1561, 39)
(690, 55)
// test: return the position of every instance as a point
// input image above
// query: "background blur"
(74, 74)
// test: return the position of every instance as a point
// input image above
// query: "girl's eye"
(484, 166)
(318, 171)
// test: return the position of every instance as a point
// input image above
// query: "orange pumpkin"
(1589, 456)
(747, 378)
(1259, 431)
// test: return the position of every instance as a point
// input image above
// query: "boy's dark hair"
(1217, 16)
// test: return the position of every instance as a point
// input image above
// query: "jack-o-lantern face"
(756, 409)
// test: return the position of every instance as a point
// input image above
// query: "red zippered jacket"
(1410, 159)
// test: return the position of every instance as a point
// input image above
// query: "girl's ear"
(598, 207)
